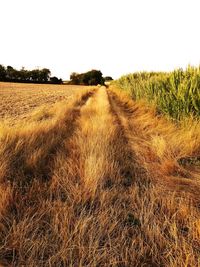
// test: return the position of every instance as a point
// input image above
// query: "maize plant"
(175, 93)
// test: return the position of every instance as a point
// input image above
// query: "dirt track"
(77, 191)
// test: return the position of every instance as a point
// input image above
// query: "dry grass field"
(18, 100)
(99, 181)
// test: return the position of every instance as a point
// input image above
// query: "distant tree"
(75, 78)
(44, 75)
(10, 73)
(23, 75)
(35, 75)
(92, 77)
(56, 80)
(73, 75)
(2, 73)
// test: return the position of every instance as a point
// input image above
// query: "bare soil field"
(99, 182)
(18, 100)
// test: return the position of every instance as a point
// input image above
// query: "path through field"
(77, 190)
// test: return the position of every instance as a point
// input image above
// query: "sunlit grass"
(97, 181)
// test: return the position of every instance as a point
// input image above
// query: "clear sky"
(114, 36)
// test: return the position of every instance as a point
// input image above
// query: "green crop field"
(176, 93)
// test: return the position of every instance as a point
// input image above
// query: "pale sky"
(114, 36)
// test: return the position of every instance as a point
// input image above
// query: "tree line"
(9, 74)
(93, 77)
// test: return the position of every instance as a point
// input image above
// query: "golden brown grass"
(99, 181)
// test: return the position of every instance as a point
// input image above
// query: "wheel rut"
(30, 184)
(131, 169)
(146, 176)
(53, 138)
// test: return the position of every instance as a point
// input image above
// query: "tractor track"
(93, 201)
(65, 129)
(36, 178)
(130, 168)
(179, 185)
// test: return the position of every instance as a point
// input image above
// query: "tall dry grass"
(27, 156)
(100, 182)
